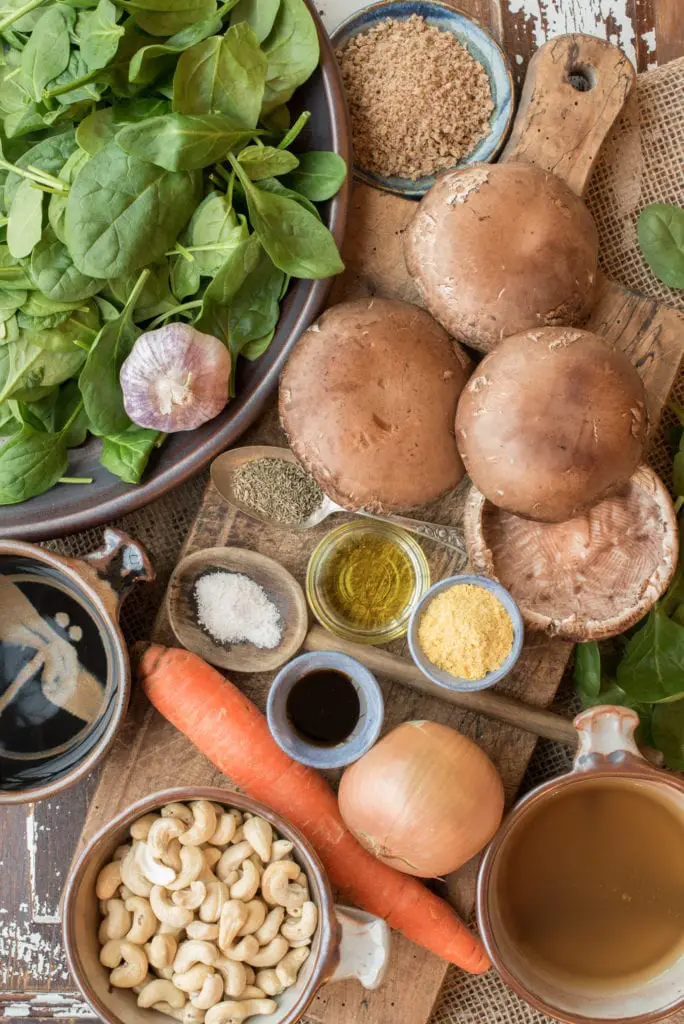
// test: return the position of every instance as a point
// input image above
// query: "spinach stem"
(77, 411)
(75, 83)
(40, 178)
(187, 251)
(19, 13)
(75, 480)
(158, 321)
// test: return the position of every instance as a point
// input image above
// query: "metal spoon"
(222, 474)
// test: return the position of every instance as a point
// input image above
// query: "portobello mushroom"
(586, 579)
(368, 399)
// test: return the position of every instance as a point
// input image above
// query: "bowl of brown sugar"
(428, 90)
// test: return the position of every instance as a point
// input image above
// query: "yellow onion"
(424, 800)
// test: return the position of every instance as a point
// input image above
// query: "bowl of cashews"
(208, 907)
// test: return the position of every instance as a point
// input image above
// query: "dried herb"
(277, 490)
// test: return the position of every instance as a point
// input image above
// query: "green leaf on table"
(292, 52)
(260, 15)
(123, 213)
(222, 74)
(587, 671)
(98, 35)
(667, 730)
(183, 142)
(660, 230)
(297, 242)
(54, 273)
(31, 462)
(25, 224)
(127, 454)
(266, 161)
(320, 175)
(652, 669)
(46, 54)
(168, 17)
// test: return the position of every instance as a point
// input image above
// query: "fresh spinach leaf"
(185, 278)
(213, 316)
(10, 302)
(48, 155)
(266, 161)
(158, 59)
(215, 230)
(12, 274)
(651, 670)
(279, 189)
(254, 309)
(183, 142)
(72, 335)
(588, 671)
(222, 74)
(320, 175)
(127, 454)
(25, 224)
(660, 230)
(123, 213)
(298, 243)
(58, 201)
(25, 366)
(153, 299)
(54, 272)
(76, 83)
(667, 730)
(167, 17)
(47, 51)
(256, 348)
(98, 35)
(292, 133)
(260, 15)
(31, 462)
(292, 52)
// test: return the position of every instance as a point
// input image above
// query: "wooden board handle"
(576, 86)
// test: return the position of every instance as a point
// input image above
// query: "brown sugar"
(419, 102)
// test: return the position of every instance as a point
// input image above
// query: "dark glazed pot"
(348, 943)
(64, 670)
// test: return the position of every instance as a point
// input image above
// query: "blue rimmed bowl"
(481, 45)
(446, 679)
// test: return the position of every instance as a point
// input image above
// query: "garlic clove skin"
(175, 378)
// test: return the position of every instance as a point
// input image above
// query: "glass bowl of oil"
(364, 579)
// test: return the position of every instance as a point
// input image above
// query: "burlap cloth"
(642, 162)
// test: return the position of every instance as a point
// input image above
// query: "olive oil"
(592, 884)
(368, 581)
(323, 707)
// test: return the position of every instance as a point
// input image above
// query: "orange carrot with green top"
(233, 734)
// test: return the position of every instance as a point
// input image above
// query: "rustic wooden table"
(37, 841)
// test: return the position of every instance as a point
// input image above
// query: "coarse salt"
(234, 608)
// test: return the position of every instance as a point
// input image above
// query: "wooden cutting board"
(560, 129)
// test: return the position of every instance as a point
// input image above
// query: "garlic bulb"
(175, 378)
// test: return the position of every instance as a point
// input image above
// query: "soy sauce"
(323, 707)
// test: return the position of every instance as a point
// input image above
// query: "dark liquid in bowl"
(53, 677)
(592, 883)
(323, 707)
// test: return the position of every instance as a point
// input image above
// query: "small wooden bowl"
(281, 587)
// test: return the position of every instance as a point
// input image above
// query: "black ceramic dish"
(67, 507)
(64, 669)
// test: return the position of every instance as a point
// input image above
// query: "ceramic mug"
(607, 752)
(348, 943)
(64, 668)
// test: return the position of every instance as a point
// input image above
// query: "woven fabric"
(642, 162)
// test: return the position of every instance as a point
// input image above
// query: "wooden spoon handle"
(576, 86)
(484, 702)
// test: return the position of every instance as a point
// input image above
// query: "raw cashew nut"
(168, 929)
(250, 974)
(121, 851)
(259, 833)
(166, 911)
(172, 857)
(201, 930)
(281, 849)
(271, 926)
(132, 970)
(242, 950)
(192, 863)
(140, 829)
(194, 951)
(179, 811)
(116, 922)
(132, 877)
(170, 1011)
(204, 824)
(230, 1012)
(153, 869)
(232, 858)
(226, 827)
(268, 981)
(160, 991)
(161, 833)
(252, 992)
(239, 836)
(270, 955)
(210, 993)
(295, 929)
(125, 893)
(276, 888)
(256, 915)
(234, 974)
(108, 880)
(288, 968)
(234, 915)
(218, 894)
(247, 885)
(144, 920)
(192, 1015)
(161, 950)
(192, 980)
(192, 897)
(258, 863)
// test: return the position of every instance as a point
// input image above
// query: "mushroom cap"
(496, 249)
(551, 421)
(368, 399)
(586, 579)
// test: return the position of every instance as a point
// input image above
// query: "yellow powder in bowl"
(465, 630)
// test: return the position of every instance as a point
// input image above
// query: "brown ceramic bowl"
(366, 938)
(64, 671)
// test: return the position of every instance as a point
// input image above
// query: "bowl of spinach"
(142, 142)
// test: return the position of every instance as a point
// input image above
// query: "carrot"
(233, 734)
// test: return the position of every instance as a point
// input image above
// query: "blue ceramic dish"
(482, 46)
(445, 679)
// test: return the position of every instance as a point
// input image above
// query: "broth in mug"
(591, 886)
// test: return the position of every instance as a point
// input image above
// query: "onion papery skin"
(175, 378)
(424, 800)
